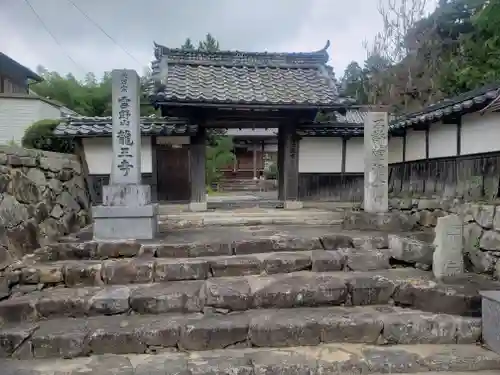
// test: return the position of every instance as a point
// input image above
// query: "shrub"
(40, 135)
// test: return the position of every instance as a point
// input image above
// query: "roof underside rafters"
(243, 78)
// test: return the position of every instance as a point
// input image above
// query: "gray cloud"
(272, 25)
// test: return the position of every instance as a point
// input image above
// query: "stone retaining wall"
(42, 197)
(481, 227)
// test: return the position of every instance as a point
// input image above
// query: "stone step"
(216, 242)
(341, 359)
(402, 287)
(247, 216)
(378, 325)
(147, 269)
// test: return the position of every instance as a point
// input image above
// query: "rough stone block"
(490, 318)
(228, 293)
(286, 262)
(369, 290)
(411, 250)
(198, 206)
(181, 269)
(328, 261)
(235, 266)
(110, 300)
(128, 271)
(64, 302)
(292, 205)
(117, 249)
(285, 291)
(216, 332)
(175, 297)
(363, 260)
(336, 241)
(86, 273)
(13, 336)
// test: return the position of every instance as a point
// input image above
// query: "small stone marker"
(376, 128)
(127, 211)
(490, 318)
(448, 258)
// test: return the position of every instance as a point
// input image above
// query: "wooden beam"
(344, 154)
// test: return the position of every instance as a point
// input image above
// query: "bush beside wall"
(42, 197)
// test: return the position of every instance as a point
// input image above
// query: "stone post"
(126, 211)
(290, 162)
(376, 130)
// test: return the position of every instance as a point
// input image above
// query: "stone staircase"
(248, 300)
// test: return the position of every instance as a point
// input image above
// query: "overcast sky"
(253, 25)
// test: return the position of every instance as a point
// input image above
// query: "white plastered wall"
(320, 155)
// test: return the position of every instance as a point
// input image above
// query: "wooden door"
(173, 174)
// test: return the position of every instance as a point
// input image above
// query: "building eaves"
(9, 65)
(471, 101)
(102, 127)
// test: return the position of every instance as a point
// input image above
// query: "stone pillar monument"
(126, 211)
(376, 161)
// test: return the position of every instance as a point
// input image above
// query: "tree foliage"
(219, 154)
(40, 136)
(419, 59)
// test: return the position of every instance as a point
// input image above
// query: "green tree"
(354, 83)
(210, 44)
(40, 136)
(188, 45)
(219, 154)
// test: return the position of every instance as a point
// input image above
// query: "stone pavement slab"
(323, 359)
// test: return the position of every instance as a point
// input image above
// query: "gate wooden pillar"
(197, 159)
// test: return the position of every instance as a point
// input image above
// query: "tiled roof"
(9, 66)
(470, 101)
(232, 77)
(333, 130)
(102, 126)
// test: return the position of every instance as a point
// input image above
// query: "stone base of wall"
(42, 197)
(481, 227)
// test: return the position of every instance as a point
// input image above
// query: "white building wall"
(355, 155)
(415, 145)
(17, 114)
(98, 152)
(395, 149)
(480, 133)
(320, 155)
(442, 140)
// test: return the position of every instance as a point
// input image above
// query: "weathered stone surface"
(228, 293)
(168, 298)
(128, 271)
(370, 290)
(27, 199)
(64, 302)
(483, 215)
(363, 260)
(323, 359)
(86, 273)
(235, 266)
(387, 222)
(12, 336)
(110, 300)
(216, 332)
(370, 242)
(181, 269)
(447, 259)
(20, 309)
(411, 250)
(478, 260)
(60, 338)
(336, 241)
(327, 261)
(286, 262)
(118, 249)
(490, 240)
(284, 291)
(260, 245)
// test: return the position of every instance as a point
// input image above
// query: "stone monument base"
(125, 222)
(292, 205)
(198, 206)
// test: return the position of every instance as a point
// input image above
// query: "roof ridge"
(242, 57)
